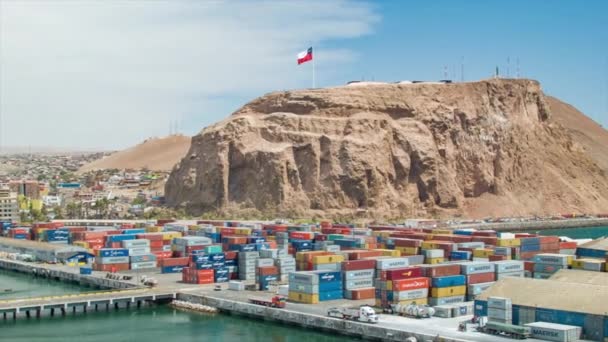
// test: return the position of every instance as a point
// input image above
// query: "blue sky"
(116, 72)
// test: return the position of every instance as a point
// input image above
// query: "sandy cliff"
(478, 149)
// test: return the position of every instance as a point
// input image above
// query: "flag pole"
(313, 69)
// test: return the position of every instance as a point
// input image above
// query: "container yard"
(513, 279)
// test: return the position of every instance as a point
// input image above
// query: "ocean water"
(150, 324)
(578, 233)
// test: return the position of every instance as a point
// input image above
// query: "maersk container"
(114, 260)
(509, 266)
(171, 269)
(287, 261)
(546, 315)
(475, 267)
(411, 294)
(113, 252)
(143, 265)
(455, 280)
(505, 251)
(517, 274)
(391, 263)
(230, 262)
(480, 308)
(142, 258)
(552, 259)
(555, 332)
(256, 239)
(434, 301)
(548, 268)
(592, 253)
(358, 284)
(359, 274)
(265, 262)
(199, 258)
(217, 257)
(330, 295)
(477, 289)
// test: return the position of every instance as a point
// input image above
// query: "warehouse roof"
(37, 245)
(601, 244)
(581, 277)
(550, 294)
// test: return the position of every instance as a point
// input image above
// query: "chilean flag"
(305, 56)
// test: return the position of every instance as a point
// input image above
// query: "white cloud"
(111, 73)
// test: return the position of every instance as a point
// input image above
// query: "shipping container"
(555, 332)
(456, 280)
(434, 301)
(448, 291)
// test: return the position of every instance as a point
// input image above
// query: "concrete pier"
(536, 225)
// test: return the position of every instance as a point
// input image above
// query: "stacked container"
(112, 260)
(546, 264)
(247, 265)
(509, 268)
(500, 310)
(312, 287)
(358, 278)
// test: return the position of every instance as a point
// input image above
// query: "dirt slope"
(393, 150)
(159, 154)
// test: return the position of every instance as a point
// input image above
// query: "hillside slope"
(159, 154)
(392, 150)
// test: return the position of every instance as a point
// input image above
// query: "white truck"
(363, 313)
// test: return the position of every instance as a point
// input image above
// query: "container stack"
(448, 284)
(184, 246)
(286, 265)
(509, 268)
(358, 278)
(173, 265)
(112, 260)
(313, 287)
(500, 310)
(267, 272)
(546, 264)
(247, 265)
(589, 264)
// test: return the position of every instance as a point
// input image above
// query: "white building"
(51, 201)
(9, 207)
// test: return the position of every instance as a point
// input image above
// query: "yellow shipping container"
(82, 244)
(327, 259)
(171, 235)
(429, 245)
(389, 252)
(304, 297)
(578, 263)
(448, 291)
(381, 233)
(408, 250)
(442, 231)
(434, 261)
(243, 231)
(417, 301)
(154, 229)
(271, 238)
(508, 242)
(307, 256)
(483, 252)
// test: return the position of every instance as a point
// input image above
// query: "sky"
(88, 74)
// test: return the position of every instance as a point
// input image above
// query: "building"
(29, 189)
(574, 298)
(40, 251)
(9, 206)
(51, 201)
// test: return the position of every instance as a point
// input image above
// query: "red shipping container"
(225, 231)
(567, 245)
(162, 222)
(363, 294)
(549, 239)
(360, 254)
(401, 273)
(174, 262)
(403, 242)
(484, 233)
(271, 244)
(356, 265)
(497, 257)
(111, 267)
(411, 284)
(268, 270)
(163, 254)
(529, 266)
(302, 235)
(230, 255)
(481, 278)
(488, 240)
(156, 244)
(440, 270)
(234, 240)
(320, 237)
(151, 236)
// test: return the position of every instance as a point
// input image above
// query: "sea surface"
(578, 233)
(150, 324)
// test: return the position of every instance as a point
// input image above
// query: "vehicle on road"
(504, 329)
(411, 310)
(363, 313)
(274, 302)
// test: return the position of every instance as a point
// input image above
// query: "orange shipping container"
(268, 270)
(411, 284)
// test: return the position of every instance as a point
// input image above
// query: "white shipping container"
(249, 262)
(332, 248)
(476, 267)
(248, 255)
(434, 253)
(136, 243)
(335, 267)
(235, 285)
(113, 260)
(499, 303)
(597, 266)
(506, 251)
(358, 284)
(287, 269)
(472, 245)
(477, 289)
(269, 253)
(289, 261)
(552, 259)
(139, 251)
(359, 274)
(304, 277)
(264, 262)
(142, 265)
(391, 263)
(284, 290)
(509, 266)
(443, 311)
(555, 332)
(411, 294)
(415, 259)
(518, 274)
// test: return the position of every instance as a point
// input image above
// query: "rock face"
(391, 150)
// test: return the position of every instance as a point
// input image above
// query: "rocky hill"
(159, 154)
(488, 148)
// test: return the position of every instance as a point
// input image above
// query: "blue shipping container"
(480, 308)
(256, 239)
(217, 257)
(460, 255)
(570, 318)
(529, 248)
(171, 269)
(121, 237)
(134, 231)
(20, 237)
(262, 246)
(535, 241)
(204, 265)
(242, 248)
(200, 258)
(330, 295)
(218, 264)
(231, 262)
(113, 252)
(86, 270)
(456, 280)
(591, 253)
(221, 272)
(546, 315)
(326, 277)
(215, 237)
(332, 286)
